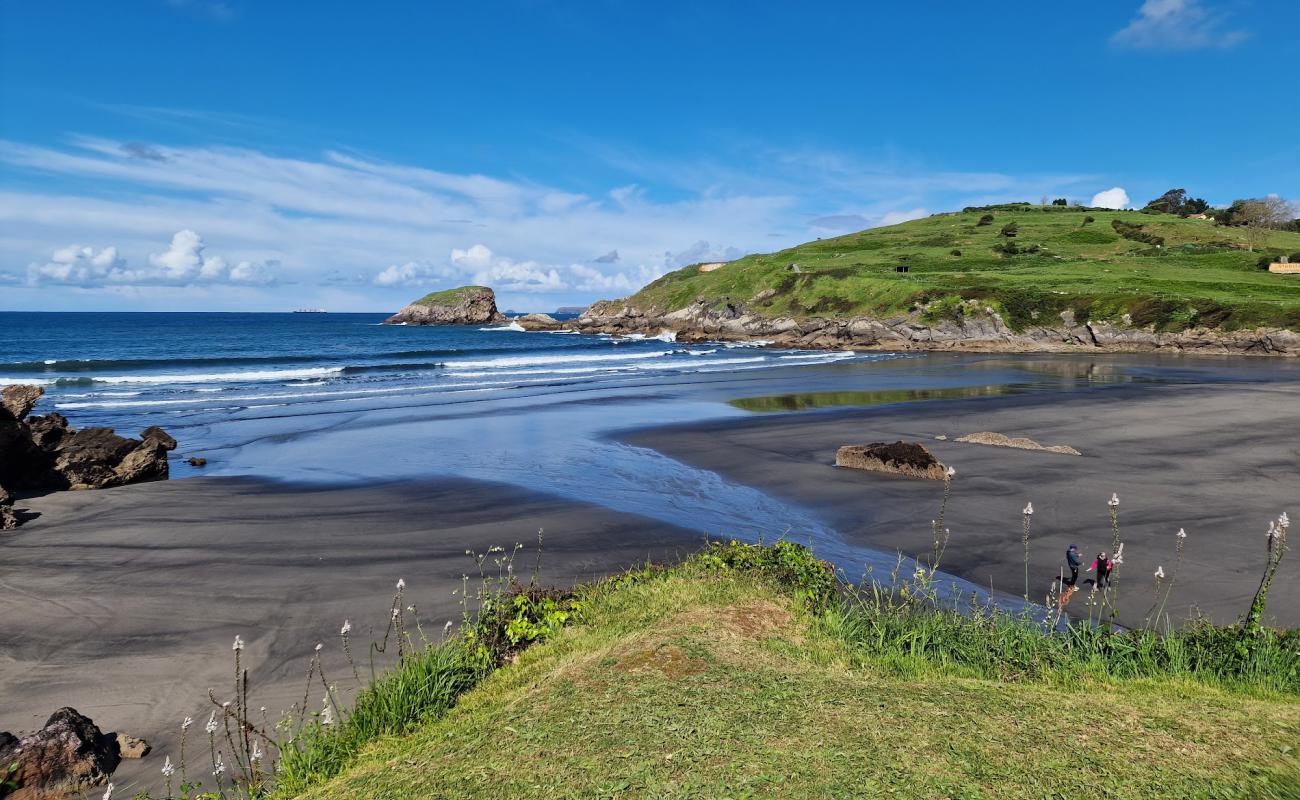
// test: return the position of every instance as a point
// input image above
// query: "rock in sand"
(68, 756)
(900, 458)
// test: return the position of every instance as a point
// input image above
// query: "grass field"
(1158, 269)
(711, 682)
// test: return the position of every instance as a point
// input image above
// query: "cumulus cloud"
(1111, 198)
(1177, 25)
(478, 264)
(182, 263)
(76, 264)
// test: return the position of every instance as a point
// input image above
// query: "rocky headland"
(982, 330)
(466, 305)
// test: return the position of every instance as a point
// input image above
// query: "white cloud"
(182, 263)
(1177, 25)
(1111, 198)
(353, 233)
(479, 265)
(79, 265)
(895, 217)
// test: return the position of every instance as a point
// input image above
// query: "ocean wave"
(664, 335)
(217, 377)
(542, 360)
(513, 326)
(52, 365)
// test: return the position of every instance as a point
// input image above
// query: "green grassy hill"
(1159, 269)
(708, 681)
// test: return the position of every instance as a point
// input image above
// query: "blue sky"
(195, 154)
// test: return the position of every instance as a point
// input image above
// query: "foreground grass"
(700, 682)
(1072, 258)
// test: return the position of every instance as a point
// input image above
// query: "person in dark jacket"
(1073, 560)
(1103, 566)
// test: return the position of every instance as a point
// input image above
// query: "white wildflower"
(211, 727)
(1160, 572)
(218, 767)
(319, 646)
(346, 629)
(447, 627)
(108, 793)
(401, 584)
(951, 472)
(1284, 521)
(1029, 509)
(1272, 529)
(1182, 534)
(238, 645)
(395, 613)
(256, 755)
(167, 769)
(411, 609)
(327, 716)
(186, 723)
(496, 548)
(1114, 500)
(1119, 554)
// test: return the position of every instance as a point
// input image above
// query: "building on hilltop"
(1284, 267)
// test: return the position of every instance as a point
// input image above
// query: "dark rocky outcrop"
(538, 322)
(468, 305)
(979, 329)
(900, 458)
(68, 756)
(46, 453)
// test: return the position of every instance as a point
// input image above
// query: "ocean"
(135, 370)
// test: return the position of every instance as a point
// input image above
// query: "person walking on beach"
(1103, 566)
(1073, 560)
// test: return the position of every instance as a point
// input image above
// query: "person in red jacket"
(1103, 566)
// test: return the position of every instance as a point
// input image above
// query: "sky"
(233, 155)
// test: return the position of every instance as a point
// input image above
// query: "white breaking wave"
(222, 377)
(513, 326)
(538, 361)
(664, 335)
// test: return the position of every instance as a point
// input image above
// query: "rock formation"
(538, 322)
(1020, 443)
(468, 305)
(68, 756)
(981, 330)
(46, 453)
(900, 458)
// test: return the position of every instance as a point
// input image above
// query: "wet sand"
(1218, 460)
(123, 603)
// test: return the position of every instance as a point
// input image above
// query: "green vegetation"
(744, 673)
(1159, 269)
(805, 400)
(450, 297)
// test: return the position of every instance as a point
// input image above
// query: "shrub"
(1060, 201)
(1011, 229)
(954, 253)
(1088, 220)
(1136, 233)
(987, 219)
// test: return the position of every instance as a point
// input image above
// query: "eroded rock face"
(46, 453)
(979, 332)
(899, 458)
(18, 400)
(468, 305)
(68, 756)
